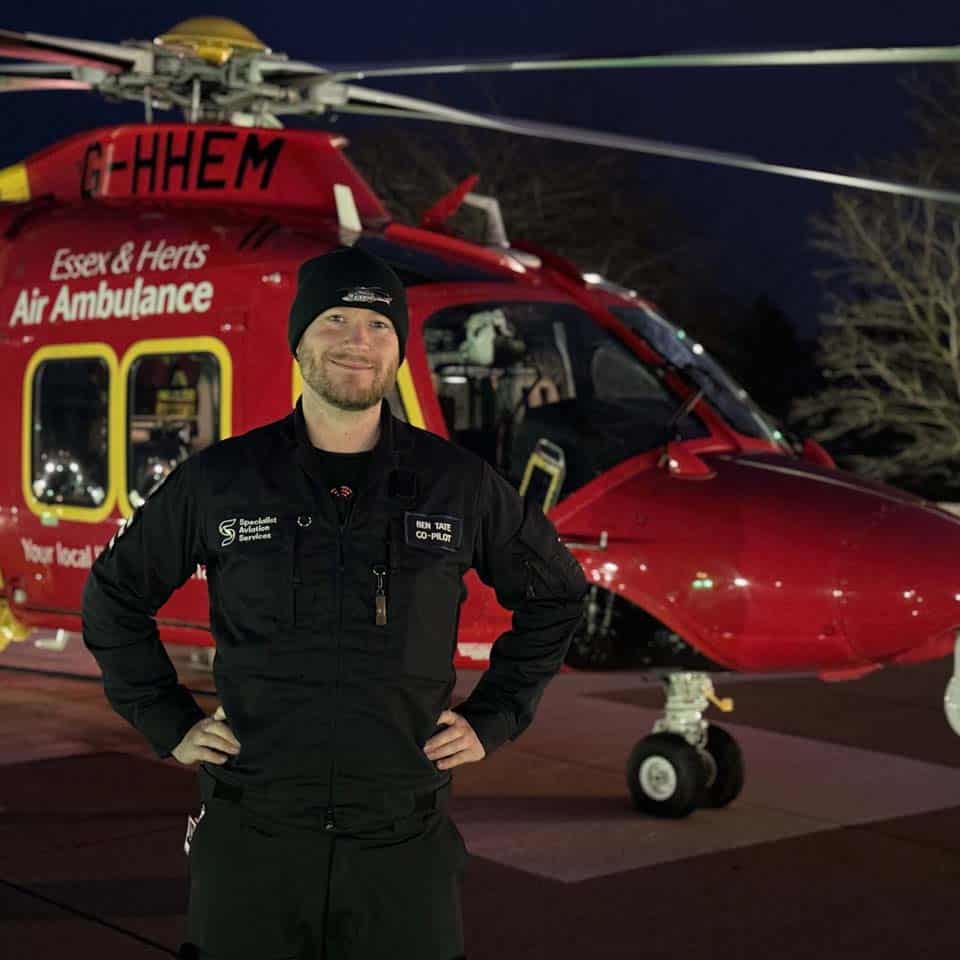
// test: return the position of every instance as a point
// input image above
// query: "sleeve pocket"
(548, 575)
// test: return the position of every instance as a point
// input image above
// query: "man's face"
(349, 356)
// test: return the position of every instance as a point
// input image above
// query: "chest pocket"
(424, 590)
(254, 579)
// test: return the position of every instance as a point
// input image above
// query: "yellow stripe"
(408, 396)
(14, 185)
(297, 381)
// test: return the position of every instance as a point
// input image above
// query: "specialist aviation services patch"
(433, 530)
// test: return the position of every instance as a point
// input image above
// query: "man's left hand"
(455, 745)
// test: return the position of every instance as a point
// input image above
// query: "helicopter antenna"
(490, 205)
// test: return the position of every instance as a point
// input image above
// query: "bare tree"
(890, 347)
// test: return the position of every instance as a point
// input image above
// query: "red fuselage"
(140, 241)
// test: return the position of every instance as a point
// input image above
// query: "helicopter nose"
(900, 584)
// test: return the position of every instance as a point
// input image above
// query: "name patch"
(433, 530)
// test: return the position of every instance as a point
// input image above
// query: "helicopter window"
(673, 344)
(69, 458)
(513, 378)
(173, 404)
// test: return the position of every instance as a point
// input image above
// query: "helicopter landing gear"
(685, 762)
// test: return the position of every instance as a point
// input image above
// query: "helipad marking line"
(795, 786)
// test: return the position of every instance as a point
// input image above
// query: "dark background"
(749, 230)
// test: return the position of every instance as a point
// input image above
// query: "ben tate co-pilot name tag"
(436, 530)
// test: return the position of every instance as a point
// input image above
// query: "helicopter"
(146, 274)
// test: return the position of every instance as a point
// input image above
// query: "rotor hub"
(214, 39)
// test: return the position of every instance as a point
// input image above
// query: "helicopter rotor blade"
(763, 58)
(415, 108)
(110, 57)
(293, 67)
(36, 69)
(23, 84)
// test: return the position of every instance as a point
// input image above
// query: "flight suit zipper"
(530, 593)
(330, 823)
(380, 596)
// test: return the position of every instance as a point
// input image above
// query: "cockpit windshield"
(531, 383)
(723, 392)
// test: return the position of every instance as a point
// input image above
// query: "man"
(335, 542)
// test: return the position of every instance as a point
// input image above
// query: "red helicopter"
(146, 273)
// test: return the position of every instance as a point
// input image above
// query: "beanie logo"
(366, 295)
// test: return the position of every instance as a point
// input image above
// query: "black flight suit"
(326, 836)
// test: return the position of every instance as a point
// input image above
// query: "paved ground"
(845, 842)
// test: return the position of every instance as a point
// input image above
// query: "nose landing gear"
(686, 763)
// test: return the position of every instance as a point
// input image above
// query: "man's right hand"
(209, 739)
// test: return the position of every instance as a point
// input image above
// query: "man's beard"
(345, 395)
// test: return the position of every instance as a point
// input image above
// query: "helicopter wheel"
(723, 762)
(665, 776)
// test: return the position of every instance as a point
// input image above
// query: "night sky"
(754, 226)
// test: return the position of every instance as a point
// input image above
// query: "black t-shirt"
(344, 474)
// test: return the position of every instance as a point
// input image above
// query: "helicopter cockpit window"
(173, 411)
(514, 379)
(673, 344)
(69, 455)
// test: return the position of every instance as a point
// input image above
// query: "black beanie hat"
(348, 277)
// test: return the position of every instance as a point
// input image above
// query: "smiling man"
(335, 540)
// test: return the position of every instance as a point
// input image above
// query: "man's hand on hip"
(210, 739)
(456, 745)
